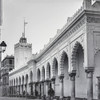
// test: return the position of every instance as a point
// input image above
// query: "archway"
(43, 73)
(38, 87)
(31, 76)
(38, 75)
(19, 85)
(55, 73)
(31, 82)
(96, 76)
(64, 69)
(26, 85)
(23, 89)
(78, 61)
(48, 71)
(43, 86)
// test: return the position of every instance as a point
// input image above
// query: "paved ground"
(14, 98)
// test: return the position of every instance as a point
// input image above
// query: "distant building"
(7, 65)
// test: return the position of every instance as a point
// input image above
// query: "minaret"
(23, 39)
(22, 50)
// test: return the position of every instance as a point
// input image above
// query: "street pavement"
(15, 98)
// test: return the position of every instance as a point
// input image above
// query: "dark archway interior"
(80, 73)
(31, 76)
(56, 77)
(43, 73)
(38, 75)
(67, 84)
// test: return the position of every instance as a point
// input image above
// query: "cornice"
(17, 70)
(66, 28)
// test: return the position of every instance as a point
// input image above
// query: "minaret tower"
(22, 50)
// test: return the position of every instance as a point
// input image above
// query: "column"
(61, 86)
(34, 88)
(72, 78)
(31, 88)
(42, 85)
(53, 83)
(98, 90)
(89, 72)
(25, 89)
(22, 89)
(47, 87)
(19, 89)
(12, 90)
(16, 90)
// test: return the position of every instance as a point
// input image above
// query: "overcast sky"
(44, 17)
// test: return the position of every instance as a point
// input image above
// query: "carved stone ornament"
(93, 20)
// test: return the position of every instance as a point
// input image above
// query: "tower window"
(10, 61)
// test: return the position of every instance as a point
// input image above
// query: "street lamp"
(2, 49)
(3, 46)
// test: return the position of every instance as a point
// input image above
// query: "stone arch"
(38, 74)
(64, 67)
(48, 71)
(23, 80)
(19, 80)
(74, 53)
(26, 78)
(63, 56)
(54, 65)
(43, 73)
(16, 81)
(31, 76)
(12, 83)
(77, 61)
(55, 76)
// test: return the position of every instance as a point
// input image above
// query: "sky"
(44, 17)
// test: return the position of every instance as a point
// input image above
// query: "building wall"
(22, 53)
(73, 48)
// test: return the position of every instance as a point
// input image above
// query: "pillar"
(19, 89)
(31, 88)
(34, 88)
(47, 87)
(98, 90)
(22, 89)
(61, 86)
(25, 89)
(89, 73)
(53, 83)
(42, 85)
(72, 78)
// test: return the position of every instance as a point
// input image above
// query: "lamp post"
(2, 49)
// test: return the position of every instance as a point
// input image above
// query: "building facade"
(7, 65)
(69, 63)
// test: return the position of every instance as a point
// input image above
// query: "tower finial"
(23, 34)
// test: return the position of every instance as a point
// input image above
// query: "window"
(10, 61)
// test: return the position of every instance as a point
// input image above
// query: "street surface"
(15, 98)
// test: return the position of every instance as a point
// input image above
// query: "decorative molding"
(93, 20)
(68, 31)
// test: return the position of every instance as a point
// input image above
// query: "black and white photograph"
(49, 49)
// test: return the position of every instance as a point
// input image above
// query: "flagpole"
(24, 27)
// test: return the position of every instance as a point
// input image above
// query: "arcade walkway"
(15, 98)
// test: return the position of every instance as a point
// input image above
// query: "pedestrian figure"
(51, 93)
(36, 93)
